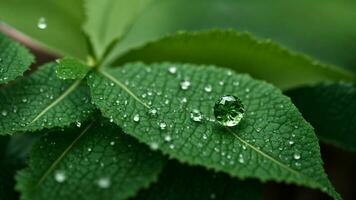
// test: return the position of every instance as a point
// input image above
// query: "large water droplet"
(42, 24)
(60, 176)
(185, 85)
(104, 182)
(229, 111)
(196, 116)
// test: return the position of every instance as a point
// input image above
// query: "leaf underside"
(330, 108)
(43, 101)
(14, 59)
(240, 52)
(97, 161)
(179, 182)
(273, 141)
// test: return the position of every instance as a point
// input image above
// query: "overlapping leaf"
(108, 20)
(326, 34)
(14, 59)
(55, 24)
(43, 101)
(156, 103)
(95, 162)
(330, 108)
(184, 182)
(240, 52)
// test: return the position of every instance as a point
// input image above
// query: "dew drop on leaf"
(4, 113)
(104, 182)
(136, 118)
(185, 85)
(172, 70)
(167, 138)
(60, 176)
(42, 24)
(78, 124)
(228, 110)
(196, 116)
(296, 156)
(154, 146)
(162, 125)
(208, 88)
(153, 112)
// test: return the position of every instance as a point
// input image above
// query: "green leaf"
(96, 162)
(14, 59)
(240, 52)
(13, 151)
(327, 34)
(182, 182)
(43, 101)
(71, 68)
(330, 108)
(63, 19)
(108, 20)
(272, 142)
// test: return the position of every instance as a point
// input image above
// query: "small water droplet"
(154, 145)
(89, 149)
(221, 83)
(24, 100)
(4, 113)
(167, 138)
(78, 124)
(184, 100)
(241, 159)
(162, 125)
(229, 111)
(112, 143)
(172, 70)
(290, 142)
(104, 182)
(60, 176)
(153, 112)
(42, 24)
(196, 116)
(136, 118)
(185, 85)
(208, 88)
(297, 164)
(296, 156)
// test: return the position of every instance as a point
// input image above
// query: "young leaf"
(240, 52)
(330, 108)
(14, 59)
(55, 24)
(179, 182)
(95, 162)
(170, 107)
(43, 101)
(109, 20)
(71, 68)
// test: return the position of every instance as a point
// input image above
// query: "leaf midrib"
(56, 101)
(55, 163)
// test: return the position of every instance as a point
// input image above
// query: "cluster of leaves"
(111, 127)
